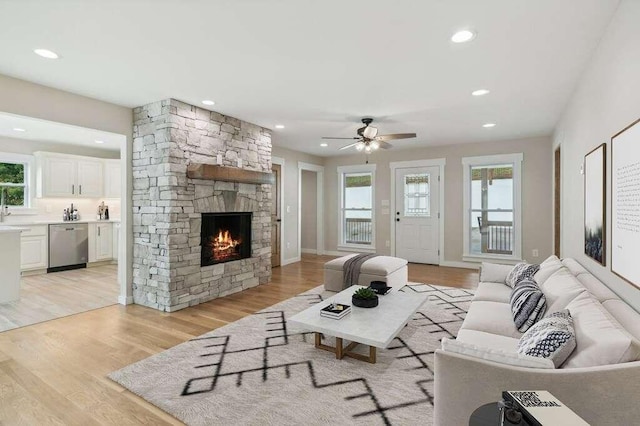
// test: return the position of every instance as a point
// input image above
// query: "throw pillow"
(552, 337)
(520, 272)
(528, 304)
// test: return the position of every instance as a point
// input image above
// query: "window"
(14, 179)
(356, 210)
(416, 195)
(492, 207)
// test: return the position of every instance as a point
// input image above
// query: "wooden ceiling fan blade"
(349, 146)
(329, 137)
(383, 138)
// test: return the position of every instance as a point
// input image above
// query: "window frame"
(29, 179)
(515, 160)
(342, 244)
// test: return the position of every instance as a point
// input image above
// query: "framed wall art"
(595, 199)
(625, 203)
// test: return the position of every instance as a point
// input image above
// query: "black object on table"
(490, 415)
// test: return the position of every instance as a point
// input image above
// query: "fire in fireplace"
(225, 237)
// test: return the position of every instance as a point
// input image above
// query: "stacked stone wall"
(167, 206)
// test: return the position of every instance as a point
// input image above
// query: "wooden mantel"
(228, 174)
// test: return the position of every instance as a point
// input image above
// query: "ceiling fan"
(368, 139)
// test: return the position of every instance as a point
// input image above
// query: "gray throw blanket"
(351, 269)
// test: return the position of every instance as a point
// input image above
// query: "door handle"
(397, 212)
(398, 219)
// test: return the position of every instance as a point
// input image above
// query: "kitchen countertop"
(5, 229)
(59, 222)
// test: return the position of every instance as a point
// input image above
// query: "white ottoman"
(392, 270)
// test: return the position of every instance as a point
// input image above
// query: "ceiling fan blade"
(383, 138)
(384, 145)
(329, 137)
(350, 145)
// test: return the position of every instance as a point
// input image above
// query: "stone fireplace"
(169, 207)
(225, 237)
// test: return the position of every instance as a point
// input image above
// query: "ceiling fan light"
(375, 145)
(360, 146)
(370, 132)
(367, 148)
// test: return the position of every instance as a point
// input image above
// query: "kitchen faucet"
(3, 208)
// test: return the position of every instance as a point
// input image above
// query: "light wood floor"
(55, 372)
(45, 297)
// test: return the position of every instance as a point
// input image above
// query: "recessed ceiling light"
(487, 125)
(99, 141)
(19, 129)
(208, 102)
(45, 53)
(463, 36)
(279, 126)
(480, 92)
(324, 145)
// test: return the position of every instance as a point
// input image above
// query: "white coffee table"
(374, 327)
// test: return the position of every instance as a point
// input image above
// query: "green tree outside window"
(12, 174)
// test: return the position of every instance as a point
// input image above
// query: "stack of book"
(335, 311)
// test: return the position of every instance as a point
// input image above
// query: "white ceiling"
(48, 131)
(318, 66)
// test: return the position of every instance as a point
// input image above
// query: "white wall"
(290, 198)
(536, 192)
(606, 100)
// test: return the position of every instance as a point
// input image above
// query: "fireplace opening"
(225, 237)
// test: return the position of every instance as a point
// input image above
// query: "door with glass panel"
(417, 214)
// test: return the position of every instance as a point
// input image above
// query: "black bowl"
(364, 303)
(380, 287)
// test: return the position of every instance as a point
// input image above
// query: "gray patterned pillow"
(520, 272)
(552, 337)
(528, 304)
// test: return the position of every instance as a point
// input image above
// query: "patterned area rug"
(260, 370)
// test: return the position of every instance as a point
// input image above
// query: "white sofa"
(598, 388)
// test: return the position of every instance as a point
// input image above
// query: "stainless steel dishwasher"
(68, 246)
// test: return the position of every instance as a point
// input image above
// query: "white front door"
(417, 214)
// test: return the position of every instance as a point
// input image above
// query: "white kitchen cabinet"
(61, 175)
(104, 241)
(112, 178)
(90, 178)
(34, 249)
(58, 176)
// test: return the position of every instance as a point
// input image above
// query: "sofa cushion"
(520, 272)
(553, 338)
(495, 355)
(600, 339)
(482, 338)
(625, 315)
(560, 289)
(547, 268)
(491, 317)
(528, 304)
(573, 266)
(494, 272)
(493, 292)
(597, 289)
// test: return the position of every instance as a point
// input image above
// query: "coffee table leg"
(372, 354)
(318, 340)
(339, 353)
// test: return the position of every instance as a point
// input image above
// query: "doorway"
(276, 213)
(316, 226)
(557, 196)
(417, 210)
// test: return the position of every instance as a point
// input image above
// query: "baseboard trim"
(309, 251)
(125, 300)
(456, 264)
(290, 261)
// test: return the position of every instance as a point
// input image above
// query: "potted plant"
(365, 298)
